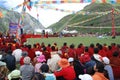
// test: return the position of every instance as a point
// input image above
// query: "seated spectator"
(115, 63)
(96, 57)
(88, 62)
(66, 71)
(71, 60)
(45, 71)
(37, 54)
(14, 75)
(3, 71)
(10, 61)
(24, 54)
(27, 70)
(99, 72)
(115, 60)
(78, 67)
(108, 67)
(40, 61)
(88, 76)
(17, 53)
(52, 62)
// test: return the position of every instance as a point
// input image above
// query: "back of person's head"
(97, 44)
(49, 45)
(86, 49)
(72, 46)
(29, 46)
(24, 53)
(109, 47)
(53, 48)
(9, 51)
(100, 67)
(79, 46)
(116, 54)
(34, 45)
(100, 47)
(104, 44)
(113, 44)
(64, 44)
(44, 68)
(96, 50)
(92, 45)
(118, 45)
(44, 48)
(27, 60)
(90, 70)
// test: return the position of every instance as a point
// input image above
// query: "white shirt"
(53, 62)
(17, 53)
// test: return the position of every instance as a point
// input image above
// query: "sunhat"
(63, 63)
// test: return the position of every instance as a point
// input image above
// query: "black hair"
(115, 54)
(72, 46)
(86, 49)
(96, 50)
(53, 48)
(90, 70)
(100, 67)
(44, 68)
(92, 45)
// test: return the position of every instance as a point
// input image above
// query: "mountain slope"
(94, 15)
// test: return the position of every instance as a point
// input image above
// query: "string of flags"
(3, 13)
(29, 4)
(78, 1)
(56, 9)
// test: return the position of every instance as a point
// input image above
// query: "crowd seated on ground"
(48, 62)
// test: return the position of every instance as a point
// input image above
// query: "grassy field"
(75, 40)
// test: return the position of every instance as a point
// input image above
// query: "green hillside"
(93, 18)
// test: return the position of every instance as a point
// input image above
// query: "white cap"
(85, 77)
(106, 60)
(38, 53)
(97, 57)
(70, 59)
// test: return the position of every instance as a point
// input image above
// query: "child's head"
(44, 68)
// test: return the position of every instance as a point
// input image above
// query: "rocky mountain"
(29, 23)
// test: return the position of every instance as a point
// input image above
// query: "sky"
(46, 16)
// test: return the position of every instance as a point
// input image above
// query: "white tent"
(65, 31)
(46, 30)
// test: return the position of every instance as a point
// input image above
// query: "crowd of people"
(48, 62)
